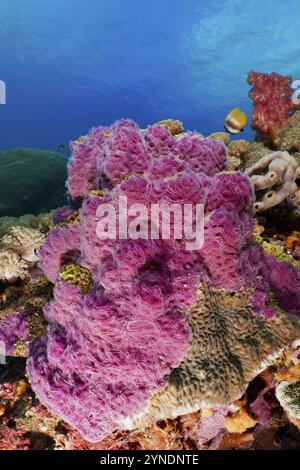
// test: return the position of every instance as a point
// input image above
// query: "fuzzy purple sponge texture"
(109, 347)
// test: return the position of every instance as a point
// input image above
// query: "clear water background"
(73, 64)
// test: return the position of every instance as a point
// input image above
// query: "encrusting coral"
(108, 350)
(275, 250)
(76, 275)
(238, 148)
(42, 222)
(290, 138)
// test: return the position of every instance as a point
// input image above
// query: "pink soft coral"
(272, 97)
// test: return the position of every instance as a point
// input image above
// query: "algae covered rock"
(31, 181)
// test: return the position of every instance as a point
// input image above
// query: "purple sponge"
(108, 350)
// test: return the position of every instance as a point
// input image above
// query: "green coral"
(275, 250)
(77, 275)
(31, 181)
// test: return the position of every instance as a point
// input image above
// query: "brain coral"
(230, 347)
(33, 179)
(108, 349)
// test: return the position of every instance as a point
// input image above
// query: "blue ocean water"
(69, 65)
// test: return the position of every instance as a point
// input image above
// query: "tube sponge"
(276, 174)
(77, 275)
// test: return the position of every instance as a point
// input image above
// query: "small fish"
(235, 121)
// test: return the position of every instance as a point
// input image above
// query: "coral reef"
(18, 246)
(223, 136)
(83, 171)
(23, 289)
(140, 291)
(230, 346)
(140, 343)
(210, 429)
(250, 154)
(33, 179)
(42, 222)
(26, 424)
(272, 98)
(12, 266)
(62, 215)
(239, 149)
(274, 249)
(24, 241)
(290, 138)
(288, 385)
(173, 125)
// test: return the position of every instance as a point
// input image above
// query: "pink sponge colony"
(107, 350)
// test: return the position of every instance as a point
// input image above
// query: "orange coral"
(239, 422)
(293, 244)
